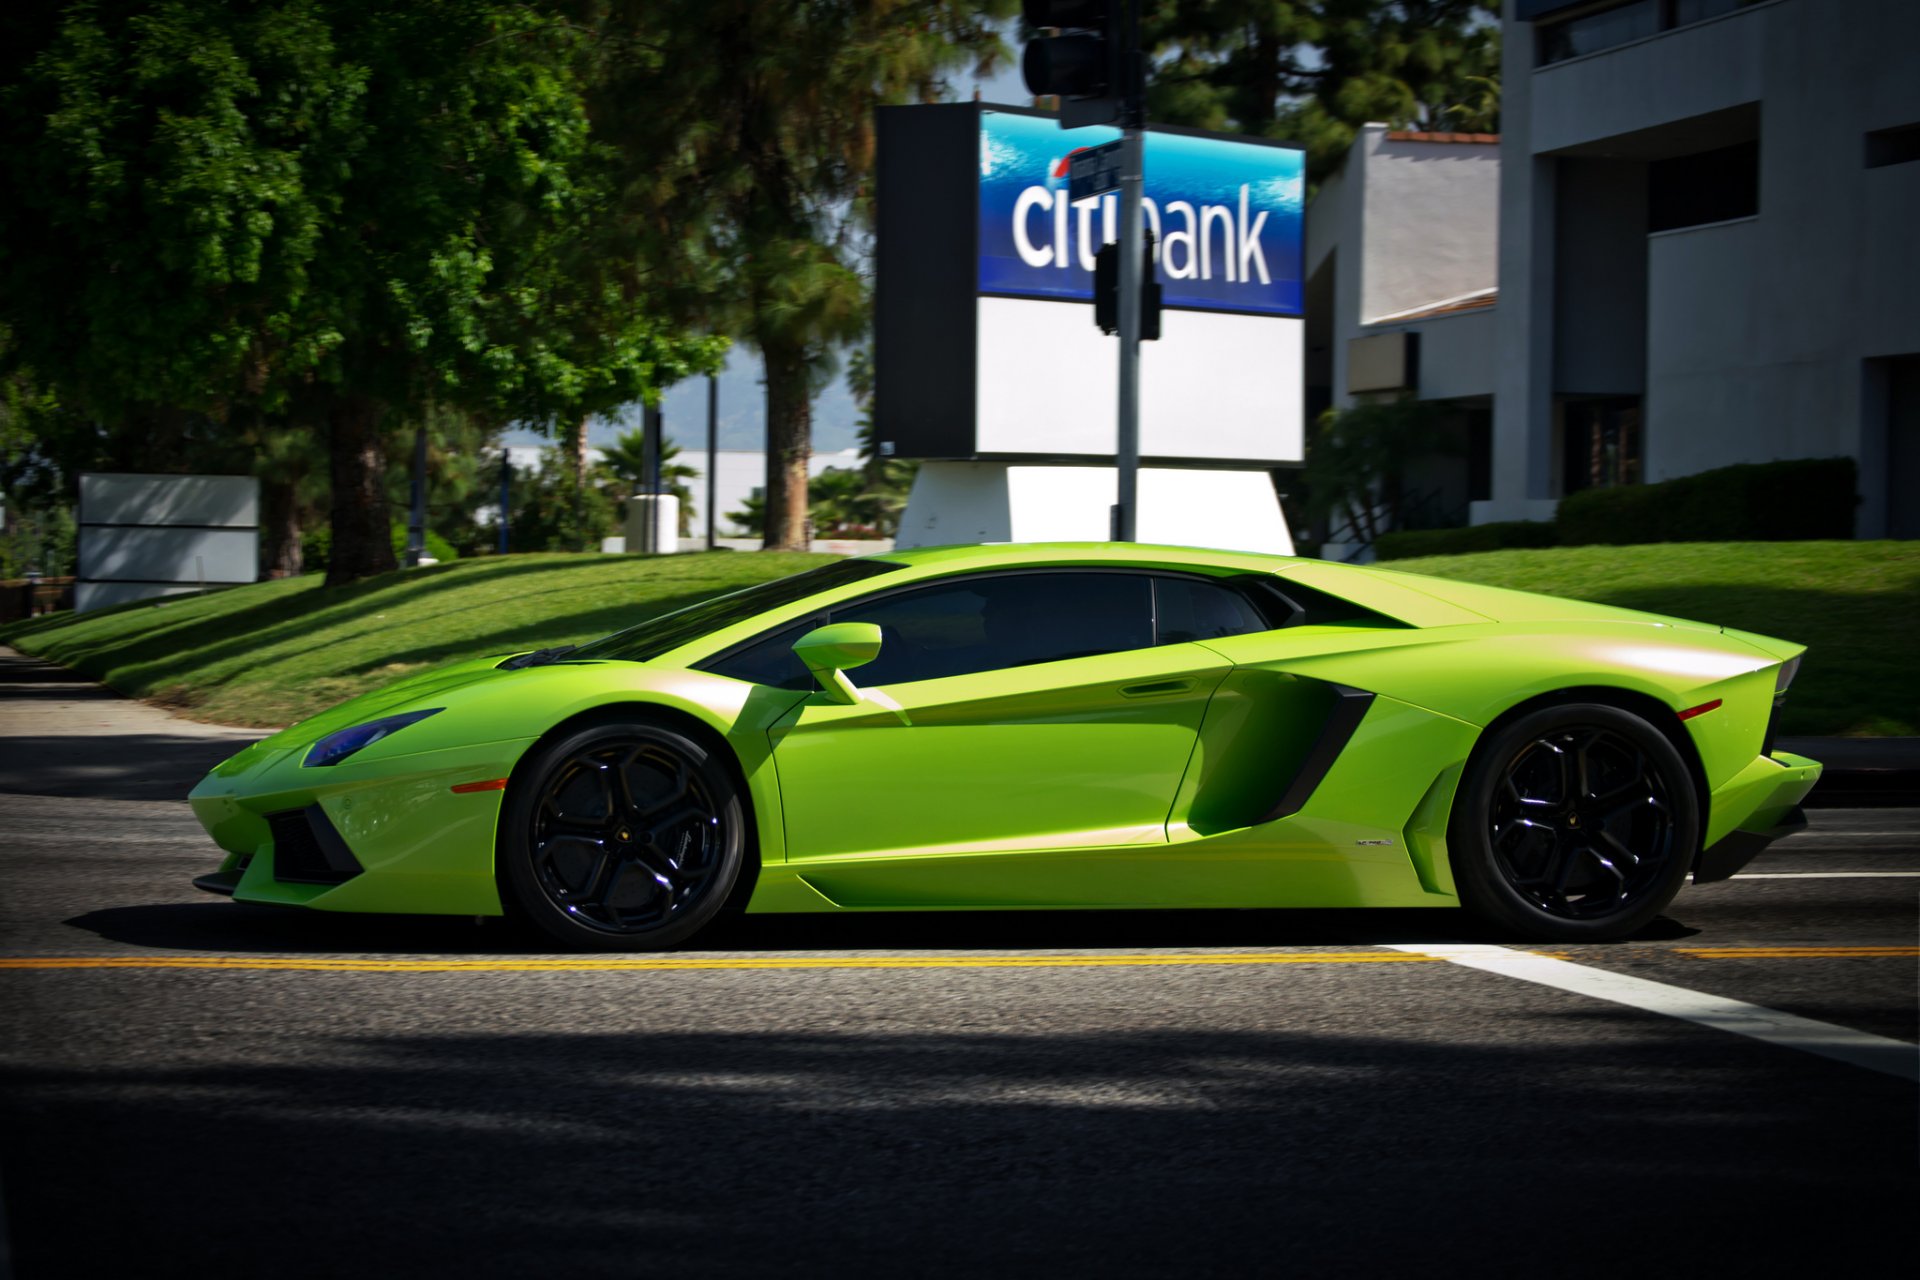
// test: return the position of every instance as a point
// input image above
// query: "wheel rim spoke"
(1579, 825)
(616, 856)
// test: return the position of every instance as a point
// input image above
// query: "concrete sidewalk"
(62, 734)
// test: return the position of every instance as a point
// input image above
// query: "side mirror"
(830, 651)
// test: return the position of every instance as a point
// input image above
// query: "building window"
(1600, 443)
(1708, 186)
(1618, 24)
(1593, 32)
(1899, 145)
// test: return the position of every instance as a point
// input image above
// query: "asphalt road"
(251, 1092)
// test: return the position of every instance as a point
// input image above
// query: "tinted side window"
(992, 623)
(1188, 609)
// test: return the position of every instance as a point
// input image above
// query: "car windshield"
(669, 631)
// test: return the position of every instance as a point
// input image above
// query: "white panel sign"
(1216, 385)
(229, 501)
(192, 556)
(145, 536)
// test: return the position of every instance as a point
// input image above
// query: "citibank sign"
(1226, 215)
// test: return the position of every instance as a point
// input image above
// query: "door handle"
(1158, 689)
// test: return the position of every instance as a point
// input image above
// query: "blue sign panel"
(1226, 215)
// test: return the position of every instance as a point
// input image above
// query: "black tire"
(1574, 823)
(622, 835)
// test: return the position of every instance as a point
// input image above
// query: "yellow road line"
(620, 963)
(610, 964)
(1793, 953)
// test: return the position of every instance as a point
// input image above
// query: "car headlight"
(336, 747)
(1788, 670)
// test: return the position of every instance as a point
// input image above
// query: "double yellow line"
(650, 963)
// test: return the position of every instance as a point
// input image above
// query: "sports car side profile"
(1057, 726)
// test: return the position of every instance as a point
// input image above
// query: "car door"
(1011, 712)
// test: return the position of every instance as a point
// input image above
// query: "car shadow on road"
(242, 928)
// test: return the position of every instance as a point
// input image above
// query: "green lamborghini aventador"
(1100, 725)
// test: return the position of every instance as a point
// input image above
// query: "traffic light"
(1106, 290)
(1083, 62)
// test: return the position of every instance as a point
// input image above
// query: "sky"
(743, 419)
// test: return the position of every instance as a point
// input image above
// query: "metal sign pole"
(1132, 182)
(713, 455)
(1131, 244)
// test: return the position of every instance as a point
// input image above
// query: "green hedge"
(1803, 500)
(1797, 501)
(1497, 536)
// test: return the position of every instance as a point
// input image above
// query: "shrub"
(1799, 500)
(1408, 543)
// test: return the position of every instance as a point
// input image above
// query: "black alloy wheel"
(622, 836)
(1574, 823)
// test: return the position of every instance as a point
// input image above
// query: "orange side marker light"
(1688, 714)
(492, 784)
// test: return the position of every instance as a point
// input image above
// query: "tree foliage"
(761, 118)
(1314, 71)
(1355, 459)
(318, 211)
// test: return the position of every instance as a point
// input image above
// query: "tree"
(1356, 457)
(326, 211)
(625, 461)
(889, 480)
(762, 117)
(1314, 71)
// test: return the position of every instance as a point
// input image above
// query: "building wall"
(1429, 221)
(1758, 332)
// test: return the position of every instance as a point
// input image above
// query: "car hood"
(412, 692)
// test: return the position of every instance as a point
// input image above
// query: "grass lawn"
(274, 652)
(271, 653)
(1855, 604)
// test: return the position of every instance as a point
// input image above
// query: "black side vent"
(1349, 709)
(307, 849)
(1773, 724)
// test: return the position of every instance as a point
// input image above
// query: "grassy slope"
(1855, 604)
(271, 653)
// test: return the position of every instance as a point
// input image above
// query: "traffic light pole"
(1132, 244)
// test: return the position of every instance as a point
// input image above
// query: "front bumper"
(385, 835)
(1760, 805)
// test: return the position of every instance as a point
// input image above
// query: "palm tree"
(625, 464)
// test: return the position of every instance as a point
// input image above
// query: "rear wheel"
(622, 836)
(1574, 823)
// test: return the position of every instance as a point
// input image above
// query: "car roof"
(996, 555)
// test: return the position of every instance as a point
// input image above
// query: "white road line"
(1843, 1044)
(1826, 875)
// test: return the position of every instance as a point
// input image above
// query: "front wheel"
(1575, 823)
(621, 836)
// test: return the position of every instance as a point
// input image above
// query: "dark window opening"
(1479, 455)
(1601, 444)
(1900, 145)
(1710, 186)
(1593, 32)
(1619, 24)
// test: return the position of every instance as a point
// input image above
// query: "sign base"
(964, 502)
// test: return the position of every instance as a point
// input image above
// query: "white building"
(1707, 246)
(1402, 274)
(1703, 252)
